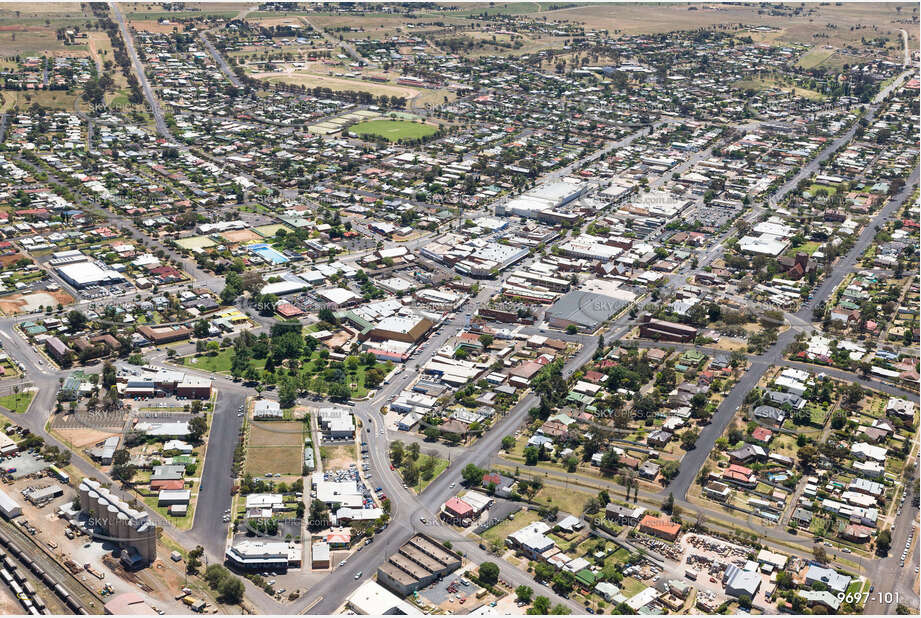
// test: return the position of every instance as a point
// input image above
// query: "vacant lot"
(275, 447)
(500, 531)
(337, 457)
(27, 303)
(393, 130)
(51, 99)
(814, 57)
(310, 80)
(768, 84)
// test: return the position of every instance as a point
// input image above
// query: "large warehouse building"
(584, 310)
(86, 274)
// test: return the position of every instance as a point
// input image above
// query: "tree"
(486, 340)
(319, 515)
(431, 432)
(541, 606)
(689, 439)
(472, 474)
(397, 453)
(669, 505)
(489, 573)
(523, 593)
(198, 425)
(410, 473)
(231, 590)
(108, 375)
(818, 552)
(287, 392)
(76, 320)
(508, 443)
(883, 542)
(531, 455)
(560, 610)
(193, 562)
(807, 456)
(201, 329)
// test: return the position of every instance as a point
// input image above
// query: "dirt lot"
(6, 260)
(337, 83)
(337, 457)
(27, 303)
(638, 19)
(83, 438)
(152, 25)
(241, 236)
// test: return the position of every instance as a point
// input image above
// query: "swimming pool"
(268, 253)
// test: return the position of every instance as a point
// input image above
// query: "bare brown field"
(19, 303)
(22, 40)
(337, 457)
(376, 27)
(152, 25)
(275, 447)
(642, 19)
(286, 460)
(275, 433)
(240, 236)
(337, 83)
(82, 438)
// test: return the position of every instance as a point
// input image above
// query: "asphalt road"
(221, 61)
(155, 109)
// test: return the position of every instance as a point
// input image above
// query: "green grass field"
(18, 402)
(393, 130)
(814, 57)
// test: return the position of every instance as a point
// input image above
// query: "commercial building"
(193, 387)
(739, 582)
(661, 330)
(57, 350)
(9, 508)
(418, 563)
(408, 329)
(264, 555)
(266, 408)
(85, 274)
(336, 423)
(584, 310)
(661, 527)
(319, 555)
(164, 334)
(372, 599)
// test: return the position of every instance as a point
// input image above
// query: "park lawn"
(807, 247)
(217, 362)
(440, 466)
(18, 402)
(502, 530)
(393, 130)
(830, 189)
(814, 57)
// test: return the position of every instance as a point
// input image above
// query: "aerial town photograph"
(459, 308)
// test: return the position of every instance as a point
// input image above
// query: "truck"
(197, 605)
(691, 574)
